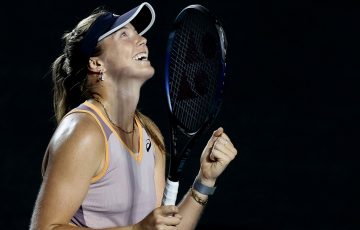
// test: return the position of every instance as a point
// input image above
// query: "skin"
(78, 141)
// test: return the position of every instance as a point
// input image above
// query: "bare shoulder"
(77, 128)
(75, 153)
(77, 138)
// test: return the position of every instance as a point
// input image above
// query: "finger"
(229, 151)
(224, 145)
(223, 142)
(171, 220)
(219, 156)
(212, 157)
(169, 210)
(178, 216)
(226, 138)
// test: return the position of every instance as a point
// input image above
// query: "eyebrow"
(124, 27)
(128, 28)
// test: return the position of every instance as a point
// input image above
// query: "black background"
(291, 108)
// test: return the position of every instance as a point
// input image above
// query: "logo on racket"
(194, 84)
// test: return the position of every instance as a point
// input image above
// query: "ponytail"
(69, 70)
(59, 75)
(69, 73)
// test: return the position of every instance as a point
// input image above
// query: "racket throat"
(175, 169)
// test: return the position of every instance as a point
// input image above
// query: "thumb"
(217, 133)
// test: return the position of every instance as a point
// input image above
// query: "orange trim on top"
(137, 157)
(102, 173)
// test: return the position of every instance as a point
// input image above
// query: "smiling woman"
(105, 164)
(126, 56)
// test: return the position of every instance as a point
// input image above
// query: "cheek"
(119, 55)
(123, 52)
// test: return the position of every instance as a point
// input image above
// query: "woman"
(100, 170)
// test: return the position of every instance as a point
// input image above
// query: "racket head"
(195, 68)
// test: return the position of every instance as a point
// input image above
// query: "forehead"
(115, 35)
(128, 26)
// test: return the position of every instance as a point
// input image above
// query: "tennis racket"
(194, 81)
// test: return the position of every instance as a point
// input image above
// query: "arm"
(76, 154)
(217, 154)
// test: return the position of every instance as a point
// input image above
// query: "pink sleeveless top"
(124, 191)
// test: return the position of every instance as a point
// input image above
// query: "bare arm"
(217, 154)
(76, 155)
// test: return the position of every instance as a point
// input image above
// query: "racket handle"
(170, 192)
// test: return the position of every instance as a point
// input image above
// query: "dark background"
(291, 108)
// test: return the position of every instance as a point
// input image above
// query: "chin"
(148, 72)
(142, 71)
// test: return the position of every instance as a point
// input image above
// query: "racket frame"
(178, 158)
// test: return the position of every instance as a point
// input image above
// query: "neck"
(120, 104)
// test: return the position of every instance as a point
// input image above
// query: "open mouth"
(141, 57)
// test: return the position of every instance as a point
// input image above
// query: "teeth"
(140, 56)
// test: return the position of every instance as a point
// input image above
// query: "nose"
(141, 40)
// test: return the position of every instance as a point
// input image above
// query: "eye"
(123, 34)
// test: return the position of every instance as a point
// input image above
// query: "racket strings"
(194, 70)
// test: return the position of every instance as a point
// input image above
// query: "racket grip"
(170, 192)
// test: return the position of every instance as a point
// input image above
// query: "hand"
(216, 156)
(163, 217)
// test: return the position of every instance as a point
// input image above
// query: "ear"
(95, 65)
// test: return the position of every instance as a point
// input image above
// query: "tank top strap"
(85, 107)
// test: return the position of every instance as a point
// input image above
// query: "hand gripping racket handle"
(170, 192)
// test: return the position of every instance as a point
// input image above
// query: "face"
(125, 54)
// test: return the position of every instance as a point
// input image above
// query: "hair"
(69, 70)
(69, 75)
